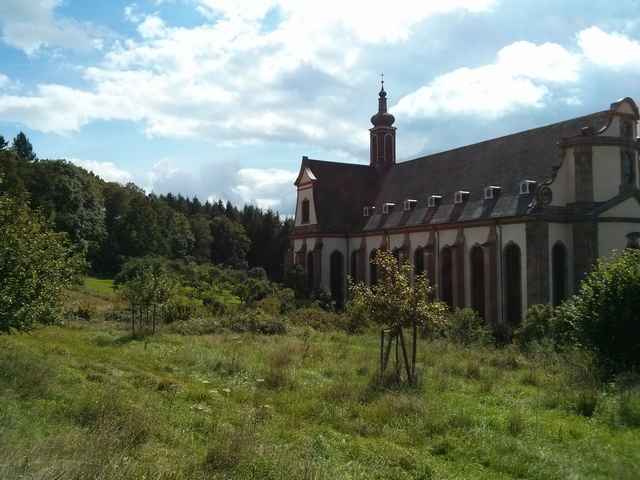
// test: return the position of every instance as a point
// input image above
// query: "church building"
(497, 226)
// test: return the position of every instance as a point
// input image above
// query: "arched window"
(337, 278)
(374, 149)
(310, 272)
(305, 211)
(477, 280)
(354, 266)
(418, 261)
(396, 254)
(513, 284)
(373, 269)
(559, 272)
(446, 276)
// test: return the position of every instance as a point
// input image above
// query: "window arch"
(310, 272)
(477, 280)
(336, 275)
(374, 149)
(305, 210)
(446, 276)
(373, 269)
(559, 272)
(418, 261)
(513, 284)
(388, 148)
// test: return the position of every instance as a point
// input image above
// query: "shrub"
(465, 326)
(537, 326)
(603, 317)
(255, 321)
(322, 320)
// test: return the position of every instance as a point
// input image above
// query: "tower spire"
(383, 134)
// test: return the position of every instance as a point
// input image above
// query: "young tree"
(3, 143)
(36, 267)
(397, 301)
(23, 148)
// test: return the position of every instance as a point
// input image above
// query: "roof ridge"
(336, 163)
(502, 137)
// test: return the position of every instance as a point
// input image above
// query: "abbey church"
(497, 226)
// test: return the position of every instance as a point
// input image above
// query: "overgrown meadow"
(88, 400)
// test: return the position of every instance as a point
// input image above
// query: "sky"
(222, 98)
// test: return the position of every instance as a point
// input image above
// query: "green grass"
(99, 286)
(88, 401)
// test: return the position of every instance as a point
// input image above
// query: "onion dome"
(382, 118)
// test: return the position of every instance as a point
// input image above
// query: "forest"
(109, 223)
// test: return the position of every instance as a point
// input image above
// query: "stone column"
(491, 299)
(537, 235)
(458, 270)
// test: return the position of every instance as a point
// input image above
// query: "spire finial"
(382, 80)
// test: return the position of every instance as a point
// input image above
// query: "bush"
(255, 321)
(603, 317)
(538, 327)
(36, 267)
(321, 320)
(465, 326)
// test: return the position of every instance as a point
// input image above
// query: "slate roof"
(340, 192)
(343, 189)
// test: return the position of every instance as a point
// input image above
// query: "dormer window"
(527, 187)
(305, 211)
(491, 192)
(460, 196)
(410, 204)
(434, 200)
(368, 211)
(387, 208)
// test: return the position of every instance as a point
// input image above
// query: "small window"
(491, 192)
(305, 211)
(434, 201)
(460, 196)
(387, 208)
(410, 204)
(628, 169)
(527, 187)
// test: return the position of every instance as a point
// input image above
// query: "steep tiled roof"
(341, 190)
(504, 161)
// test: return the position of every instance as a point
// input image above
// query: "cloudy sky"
(221, 98)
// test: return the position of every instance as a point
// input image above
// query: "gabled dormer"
(305, 203)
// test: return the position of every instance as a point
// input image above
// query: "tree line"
(109, 223)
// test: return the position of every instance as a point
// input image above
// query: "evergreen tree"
(3, 143)
(23, 148)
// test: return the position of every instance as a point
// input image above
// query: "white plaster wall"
(447, 237)
(628, 208)
(606, 173)
(562, 232)
(613, 236)
(302, 195)
(329, 245)
(297, 244)
(564, 186)
(516, 233)
(396, 241)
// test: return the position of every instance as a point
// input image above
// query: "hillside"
(85, 400)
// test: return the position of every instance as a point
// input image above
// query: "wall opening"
(305, 211)
(418, 261)
(559, 272)
(310, 272)
(354, 267)
(446, 275)
(477, 280)
(373, 269)
(337, 278)
(513, 284)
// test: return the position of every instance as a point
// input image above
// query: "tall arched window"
(477, 280)
(446, 276)
(374, 149)
(354, 266)
(388, 148)
(418, 261)
(373, 269)
(305, 211)
(559, 272)
(513, 284)
(396, 254)
(310, 272)
(336, 275)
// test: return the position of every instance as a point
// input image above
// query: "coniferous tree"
(23, 148)
(3, 143)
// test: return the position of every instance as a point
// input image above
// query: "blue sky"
(221, 98)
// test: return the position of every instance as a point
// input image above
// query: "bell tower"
(383, 135)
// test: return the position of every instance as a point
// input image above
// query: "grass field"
(86, 400)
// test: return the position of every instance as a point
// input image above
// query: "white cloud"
(106, 170)
(152, 27)
(32, 25)
(519, 78)
(612, 50)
